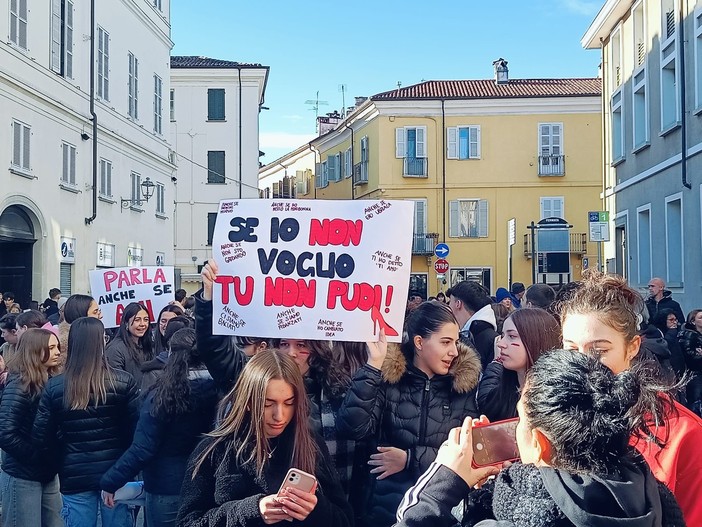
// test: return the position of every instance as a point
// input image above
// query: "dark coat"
(226, 494)
(496, 400)
(690, 341)
(118, 356)
(19, 458)
(401, 407)
(89, 440)
(161, 445)
(223, 358)
(666, 302)
(482, 335)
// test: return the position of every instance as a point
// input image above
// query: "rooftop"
(489, 89)
(206, 62)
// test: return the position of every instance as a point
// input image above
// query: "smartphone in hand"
(495, 443)
(300, 480)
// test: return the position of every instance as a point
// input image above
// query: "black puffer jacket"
(498, 393)
(118, 356)
(89, 440)
(19, 458)
(666, 302)
(401, 407)
(690, 341)
(223, 358)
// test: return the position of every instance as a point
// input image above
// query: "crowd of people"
(607, 387)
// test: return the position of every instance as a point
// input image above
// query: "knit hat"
(517, 287)
(501, 294)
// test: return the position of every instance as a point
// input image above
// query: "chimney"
(501, 71)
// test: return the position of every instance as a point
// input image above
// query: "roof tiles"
(206, 62)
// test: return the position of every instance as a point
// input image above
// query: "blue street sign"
(441, 250)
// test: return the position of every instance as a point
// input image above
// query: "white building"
(55, 224)
(214, 107)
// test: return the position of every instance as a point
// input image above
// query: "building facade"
(652, 105)
(213, 113)
(289, 176)
(63, 183)
(473, 155)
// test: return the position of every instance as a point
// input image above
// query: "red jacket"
(679, 463)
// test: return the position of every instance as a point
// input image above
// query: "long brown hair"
(241, 425)
(29, 361)
(87, 374)
(538, 330)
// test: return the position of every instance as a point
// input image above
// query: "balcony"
(415, 167)
(424, 244)
(578, 243)
(360, 173)
(551, 165)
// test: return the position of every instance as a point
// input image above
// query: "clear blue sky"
(369, 46)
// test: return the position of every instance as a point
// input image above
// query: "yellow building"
(472, 155)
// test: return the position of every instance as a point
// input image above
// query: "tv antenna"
(342, 89)
(316, 103)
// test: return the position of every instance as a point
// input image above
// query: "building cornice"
(149, 23)
(470, 107)
(608, 17)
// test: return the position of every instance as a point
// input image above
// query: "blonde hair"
(241, 415)
(29, 360)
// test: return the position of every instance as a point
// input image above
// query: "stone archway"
(17, 238)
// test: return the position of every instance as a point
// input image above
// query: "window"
(136, 190)
(551, 158)
(615, 47)
(410, 145)
(348, 162)
(18, 23)
(103, 65)
(68, 174)
(211, 220)
(674, 246)
(215, 105)
(160, 199)
(106, 178)
(617, 128)
(670, 104)
(639, 35)
(158, 100)
(158, 5)
(463, 142)
(172, 105)
(364, 158)
(333, 166)
(133, 86)
(420, 243)
(482, 275)
(643, 218)
(66, 279)
(640, 110)
(468, 218)
(322, 175)
(552, 207)
(215, 167)
(62, 37)
(20, 146)
(301, 183)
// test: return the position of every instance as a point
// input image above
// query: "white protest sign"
(114, 289)
(312, 269)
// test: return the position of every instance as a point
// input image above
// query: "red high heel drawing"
(378, 319)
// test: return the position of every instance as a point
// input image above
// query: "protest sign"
(114, 289)
(312, 269)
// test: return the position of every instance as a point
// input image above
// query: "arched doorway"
(16, 246)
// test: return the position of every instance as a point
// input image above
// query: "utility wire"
(216, 173)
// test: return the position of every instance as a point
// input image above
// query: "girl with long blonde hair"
(264, 431)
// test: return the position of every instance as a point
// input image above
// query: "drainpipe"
(238, 69)
(683, 117)
(93, 115)
(443, 169)
(353, 183)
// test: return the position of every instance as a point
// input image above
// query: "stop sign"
(441, 266)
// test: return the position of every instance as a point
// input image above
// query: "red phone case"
(495, 443)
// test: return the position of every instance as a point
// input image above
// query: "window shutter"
(452, 142)
(420, 217)
(25, 146)
(17, 146)
(276, 189)
(211, 220)
(454, 220)
(23, 24)
(318, 175)
(474, 142)
(108, 188)
(65, 279)
(72, 165)
(545, 140)
(556, 140)
(421, 141)
(558, 207)
(399, 143)
(483, 218)
(545, 207)
(56, 35)
(14, 18)
(68, 40)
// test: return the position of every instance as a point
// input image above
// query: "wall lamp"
(147, 190)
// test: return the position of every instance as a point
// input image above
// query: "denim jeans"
(81, 510)
(161, 510)
(30, 503)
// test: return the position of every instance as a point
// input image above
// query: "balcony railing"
(415, 167)
(424, 243)
(578, 243)
(360, 173)
(551, 165)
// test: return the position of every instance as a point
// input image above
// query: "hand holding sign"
(209, 275)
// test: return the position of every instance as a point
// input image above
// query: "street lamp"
(147, 190)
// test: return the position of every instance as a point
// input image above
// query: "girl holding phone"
(235, 473)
